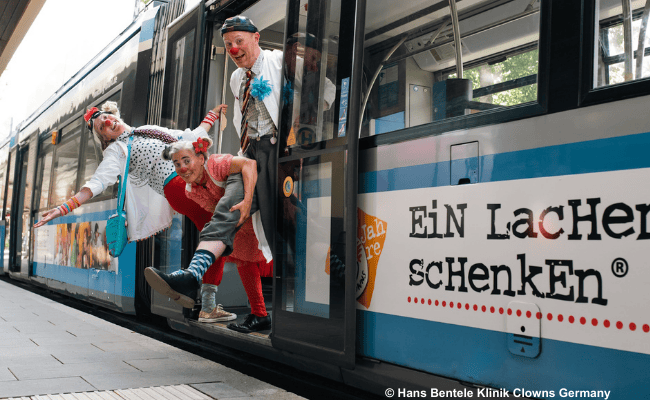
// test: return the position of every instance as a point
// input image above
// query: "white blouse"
(148, 212)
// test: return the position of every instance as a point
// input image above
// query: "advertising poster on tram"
(572, 247)
(77, 244)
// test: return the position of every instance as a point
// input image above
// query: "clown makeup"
(109, 127)
(243, 47)
(189, 165)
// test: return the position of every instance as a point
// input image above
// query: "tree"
(514, 67)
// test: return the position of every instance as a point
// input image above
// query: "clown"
(216, 183)
(153, 189)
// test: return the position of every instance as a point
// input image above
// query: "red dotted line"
(560, 318)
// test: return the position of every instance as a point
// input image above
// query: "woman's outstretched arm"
(81, 197)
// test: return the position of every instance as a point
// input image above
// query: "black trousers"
(264, 200)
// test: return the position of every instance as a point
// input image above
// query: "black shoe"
(182, 288)
(253, 323)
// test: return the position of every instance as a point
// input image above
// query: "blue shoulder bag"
(116, 234)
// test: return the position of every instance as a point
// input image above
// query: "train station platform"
(51, 351)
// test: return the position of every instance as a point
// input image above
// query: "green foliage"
(514, 67)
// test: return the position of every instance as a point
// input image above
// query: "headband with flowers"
(201, 146)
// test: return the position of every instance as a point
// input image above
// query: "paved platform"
(47, 348)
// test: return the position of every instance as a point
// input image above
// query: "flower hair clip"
(90, 115)
(200, 146)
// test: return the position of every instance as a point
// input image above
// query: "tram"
(468, 218)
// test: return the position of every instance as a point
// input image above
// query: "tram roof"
(16, 17)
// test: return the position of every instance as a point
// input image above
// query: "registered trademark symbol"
(620, 267)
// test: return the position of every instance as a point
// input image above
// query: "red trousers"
(249, 272)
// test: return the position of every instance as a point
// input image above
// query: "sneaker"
(181, 287)
(216, 315)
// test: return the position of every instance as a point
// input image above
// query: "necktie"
(244, 108)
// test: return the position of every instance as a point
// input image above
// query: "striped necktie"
(244, 108)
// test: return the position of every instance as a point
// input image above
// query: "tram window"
(26, 185)
(311, 54)
(176, 114)
(43, 179)
(93, 156)
(66, 160)
(3, 175)
(10, 185)
(3, 168)
(618, 58)
(417, 82)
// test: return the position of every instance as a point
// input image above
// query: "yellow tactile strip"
(176, 392)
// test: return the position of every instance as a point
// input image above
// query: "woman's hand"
(245, 210)
(221, 108)
(211, 118)
(48, 216)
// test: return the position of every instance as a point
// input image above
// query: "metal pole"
(627, 39)
(641, 47)
(457, 44)
(469, 33)
(223, 98)
(438, 32)
(374, 78)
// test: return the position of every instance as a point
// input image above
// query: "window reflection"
(309, 87)
(64, 174)
(45, 173)
(3, 176)
(177, 90)
(619, 30)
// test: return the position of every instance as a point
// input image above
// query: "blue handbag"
(116, 234)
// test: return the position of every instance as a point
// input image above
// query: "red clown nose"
(234, 50)
(108, 122)
(183, 170)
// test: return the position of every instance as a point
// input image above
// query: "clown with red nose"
(256, 122)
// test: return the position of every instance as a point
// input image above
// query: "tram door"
(21, 213)
(315, 259)
(4, 227)
(180, 110)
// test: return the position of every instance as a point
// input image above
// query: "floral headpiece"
(201, 146)
(90, 116)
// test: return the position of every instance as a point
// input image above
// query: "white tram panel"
(569, 270)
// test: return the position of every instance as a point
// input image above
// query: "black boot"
(182, 288)
(253, 323)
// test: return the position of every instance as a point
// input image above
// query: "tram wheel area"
(285, 377)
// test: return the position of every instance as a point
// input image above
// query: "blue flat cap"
(238, 23)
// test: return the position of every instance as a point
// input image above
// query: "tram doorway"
(21, 223)
(310, 294)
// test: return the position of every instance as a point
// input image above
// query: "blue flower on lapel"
(260, 88)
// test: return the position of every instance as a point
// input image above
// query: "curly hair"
(182, 145)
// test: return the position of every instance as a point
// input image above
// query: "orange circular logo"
(287, 186)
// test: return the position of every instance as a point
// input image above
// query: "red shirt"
(245, 246)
